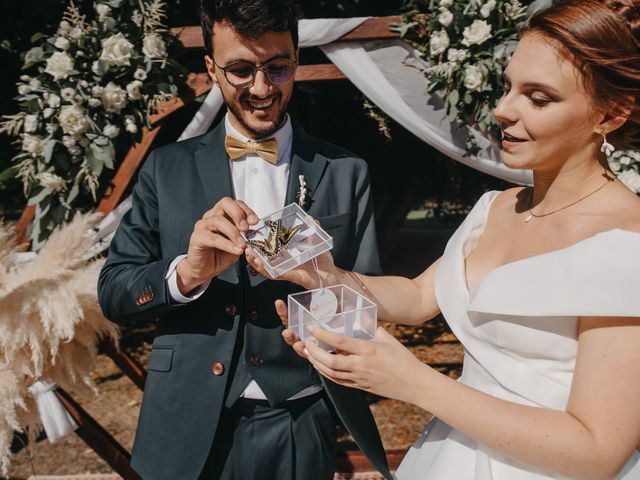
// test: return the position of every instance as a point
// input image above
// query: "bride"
(539, 284)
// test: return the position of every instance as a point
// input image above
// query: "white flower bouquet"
(92, 86)
(467, 43)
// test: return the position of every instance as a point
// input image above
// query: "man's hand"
(215, 243)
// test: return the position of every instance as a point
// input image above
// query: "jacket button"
(254, 315)
(255, 361)
(217, 369)
(230, 309)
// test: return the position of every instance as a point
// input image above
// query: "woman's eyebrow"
(536, 85)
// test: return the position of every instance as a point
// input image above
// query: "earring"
(606, 148)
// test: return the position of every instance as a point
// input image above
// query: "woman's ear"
(616, 119)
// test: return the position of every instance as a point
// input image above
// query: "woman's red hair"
(601, 38)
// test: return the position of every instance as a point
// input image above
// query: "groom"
(225, 397)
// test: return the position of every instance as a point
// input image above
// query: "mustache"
(249, 96)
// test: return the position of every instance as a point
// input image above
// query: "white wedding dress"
(519, 332)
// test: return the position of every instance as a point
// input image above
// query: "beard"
(256, 131)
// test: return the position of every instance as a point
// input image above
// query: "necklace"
(532, 215)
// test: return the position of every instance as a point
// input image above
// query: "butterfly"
(277, 240)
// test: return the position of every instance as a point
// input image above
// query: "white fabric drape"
(56, 420)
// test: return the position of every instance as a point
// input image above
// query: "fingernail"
(238, 250)
(252, 219)
(306, 352)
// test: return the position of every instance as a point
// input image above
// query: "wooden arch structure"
(190, 39)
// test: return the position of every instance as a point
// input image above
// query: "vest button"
(254, 315)
(230, 310)
(255, 361)
(217, 369)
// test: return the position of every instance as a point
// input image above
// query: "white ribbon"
(56, 420)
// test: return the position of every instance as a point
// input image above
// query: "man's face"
(259, 110)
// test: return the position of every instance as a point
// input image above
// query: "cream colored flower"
(153, 46)
(111, 131)
(73, 120)
(116, 50)
(631, 179)
(62, 43)
(438, 42)
(32, 144)
(67, 94)
(130, 125)
(59, 65)
(445, 18)
(113, 98)
(140, 74)
(446, 3)
(53, 101)
(103, 10)
(51, 181)
(133, 90)
(473, 78)
(487, 8)
(30, 123)
(475, 34)
(457, 55)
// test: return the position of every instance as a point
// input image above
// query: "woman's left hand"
(382, 366)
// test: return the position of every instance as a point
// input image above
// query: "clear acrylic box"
(286, 239)
(355, 315)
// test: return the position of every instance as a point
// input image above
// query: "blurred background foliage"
(406, 173)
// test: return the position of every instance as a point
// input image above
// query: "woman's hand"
(382, 366)
(304, 275)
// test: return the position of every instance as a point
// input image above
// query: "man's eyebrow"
(244, 60)
(536, 85)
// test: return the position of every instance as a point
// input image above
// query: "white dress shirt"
(263, 187)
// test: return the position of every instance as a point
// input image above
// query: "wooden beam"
(190, 38)
(354, 461)
(316, 73)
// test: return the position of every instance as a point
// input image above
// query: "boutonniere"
(301, 196)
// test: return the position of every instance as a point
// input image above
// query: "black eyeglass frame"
(262, 68)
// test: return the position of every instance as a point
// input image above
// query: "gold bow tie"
(268, 149)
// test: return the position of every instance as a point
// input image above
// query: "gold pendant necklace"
(532, 215)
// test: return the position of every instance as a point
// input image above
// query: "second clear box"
(286, 239)
(355, 315)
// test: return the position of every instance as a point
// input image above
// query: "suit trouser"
(296, 441)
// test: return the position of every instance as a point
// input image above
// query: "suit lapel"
(304, 161)
(212, 164)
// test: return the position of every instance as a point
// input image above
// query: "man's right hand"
(215, 243)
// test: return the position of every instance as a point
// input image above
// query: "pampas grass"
(50, 323)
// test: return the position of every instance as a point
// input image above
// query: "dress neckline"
(521, 260)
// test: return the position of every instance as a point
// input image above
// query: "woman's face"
(547, 118)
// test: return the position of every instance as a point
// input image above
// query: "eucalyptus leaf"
(48, 150)
(8, 173)
(35, 200)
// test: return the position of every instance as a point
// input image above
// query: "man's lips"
(260, 104)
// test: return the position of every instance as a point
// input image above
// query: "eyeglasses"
(243, 74)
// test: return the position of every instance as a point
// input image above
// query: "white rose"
(445, 18)
(487, 8)
(140, 74)
(97, 90)
(631, 179)
(114, 98)
(53, 100)
(116, 50)
(130, 125)
(68, 141)
(67, 94)
(30, 123)
(133, 90)
(52, 181)
(473, 78)
(111, 131)
(103, 10)
(35, 84)
(47, 112)
(153, 46)
(62, 43)
(24, 89)
(475, 34)
(73, 120)
(457, 55)
(109, 23)
(32, 144)
(76, 33)
(59, 65)
(95, 102)
(64, 27)
(438, 42)
(446, 3)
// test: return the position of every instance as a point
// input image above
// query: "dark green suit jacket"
(184, 394)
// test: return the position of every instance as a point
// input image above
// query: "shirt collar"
(283, 135)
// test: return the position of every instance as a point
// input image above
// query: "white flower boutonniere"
(301, 196)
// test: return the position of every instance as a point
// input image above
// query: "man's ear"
(211, 69)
